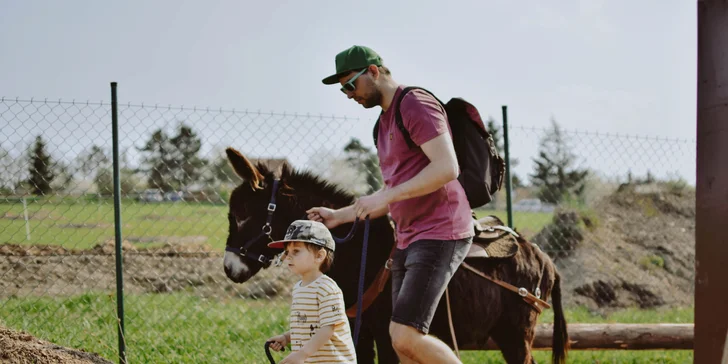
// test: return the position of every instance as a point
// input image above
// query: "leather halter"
(266, 231)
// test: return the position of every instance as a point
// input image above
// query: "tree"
(495, 132)
(41, 173)
(63, 176)
(173, 162)
(366, 162)
(8, 174)
(91, 160)
(156, 161)
(127, 175)
(554, 173)
(104, 181)
(95, 163)
(187, 166)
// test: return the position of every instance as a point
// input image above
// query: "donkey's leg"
(514, 342)
(365, 346)
(385, 350)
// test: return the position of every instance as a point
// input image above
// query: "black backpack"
(481, 168)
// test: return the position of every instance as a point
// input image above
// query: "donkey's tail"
(560, 344)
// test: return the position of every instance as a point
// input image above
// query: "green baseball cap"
(353, 58)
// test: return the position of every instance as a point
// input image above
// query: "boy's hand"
(278, 343)
(295, 358)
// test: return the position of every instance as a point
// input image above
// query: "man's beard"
(372, 100)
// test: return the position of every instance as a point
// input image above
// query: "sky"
(626, 67)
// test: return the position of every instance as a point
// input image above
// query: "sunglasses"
(349, 85)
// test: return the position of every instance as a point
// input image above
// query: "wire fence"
(622, 234)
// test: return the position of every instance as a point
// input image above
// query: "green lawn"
(175, 328)
(182, 328)
(81, 224)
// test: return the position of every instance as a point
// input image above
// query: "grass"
(83, 223)
(182, 328)
(175, 328)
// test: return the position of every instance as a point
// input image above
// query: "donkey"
(266, 202)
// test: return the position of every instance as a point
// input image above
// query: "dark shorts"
(420, 274)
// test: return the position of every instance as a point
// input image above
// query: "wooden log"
(615, 337)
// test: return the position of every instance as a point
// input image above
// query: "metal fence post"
(117, 224)
(508, 167)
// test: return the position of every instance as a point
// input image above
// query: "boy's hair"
(328, 260)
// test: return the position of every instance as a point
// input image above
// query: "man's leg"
(420, 277)
(412, 346)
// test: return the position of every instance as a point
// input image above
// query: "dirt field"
(55, 271)
(638, 252)
(21, 348)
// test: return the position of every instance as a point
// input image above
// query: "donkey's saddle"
(492, 239)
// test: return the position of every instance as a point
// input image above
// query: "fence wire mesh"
(612, 211)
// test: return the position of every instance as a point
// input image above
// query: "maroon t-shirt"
(443, 214)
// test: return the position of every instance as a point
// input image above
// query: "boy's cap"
(353, 58)
(309, 231)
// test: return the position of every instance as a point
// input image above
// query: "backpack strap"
(398, 116)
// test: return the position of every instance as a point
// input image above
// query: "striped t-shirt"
(318, 304)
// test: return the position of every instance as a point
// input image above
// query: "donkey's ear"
(285, 172)
(244, 168)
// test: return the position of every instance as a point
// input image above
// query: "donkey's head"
(256, 213)
(262, 207)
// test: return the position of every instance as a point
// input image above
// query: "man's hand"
(372, 205)
(375, 206)
(324, 215)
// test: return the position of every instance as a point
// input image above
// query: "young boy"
(319, 326)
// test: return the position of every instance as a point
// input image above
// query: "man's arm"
(442, 169)
(333, 218)
(348, 213)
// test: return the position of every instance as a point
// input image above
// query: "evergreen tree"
(554, 173)
(157, 161)
(172, 163)
(41, 169)
(366, 162)
(187, 166)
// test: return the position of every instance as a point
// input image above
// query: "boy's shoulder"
(327, 284)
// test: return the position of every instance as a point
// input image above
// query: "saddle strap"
(537, 303)
(452, 327)
(375, 288)
(507, 229)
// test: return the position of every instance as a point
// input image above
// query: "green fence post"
(508, 167)
(117, 225)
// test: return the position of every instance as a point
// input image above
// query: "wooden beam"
(711, 212)
(615, 337)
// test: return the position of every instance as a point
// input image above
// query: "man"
(422, 194)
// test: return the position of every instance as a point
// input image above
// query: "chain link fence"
(612, 211)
